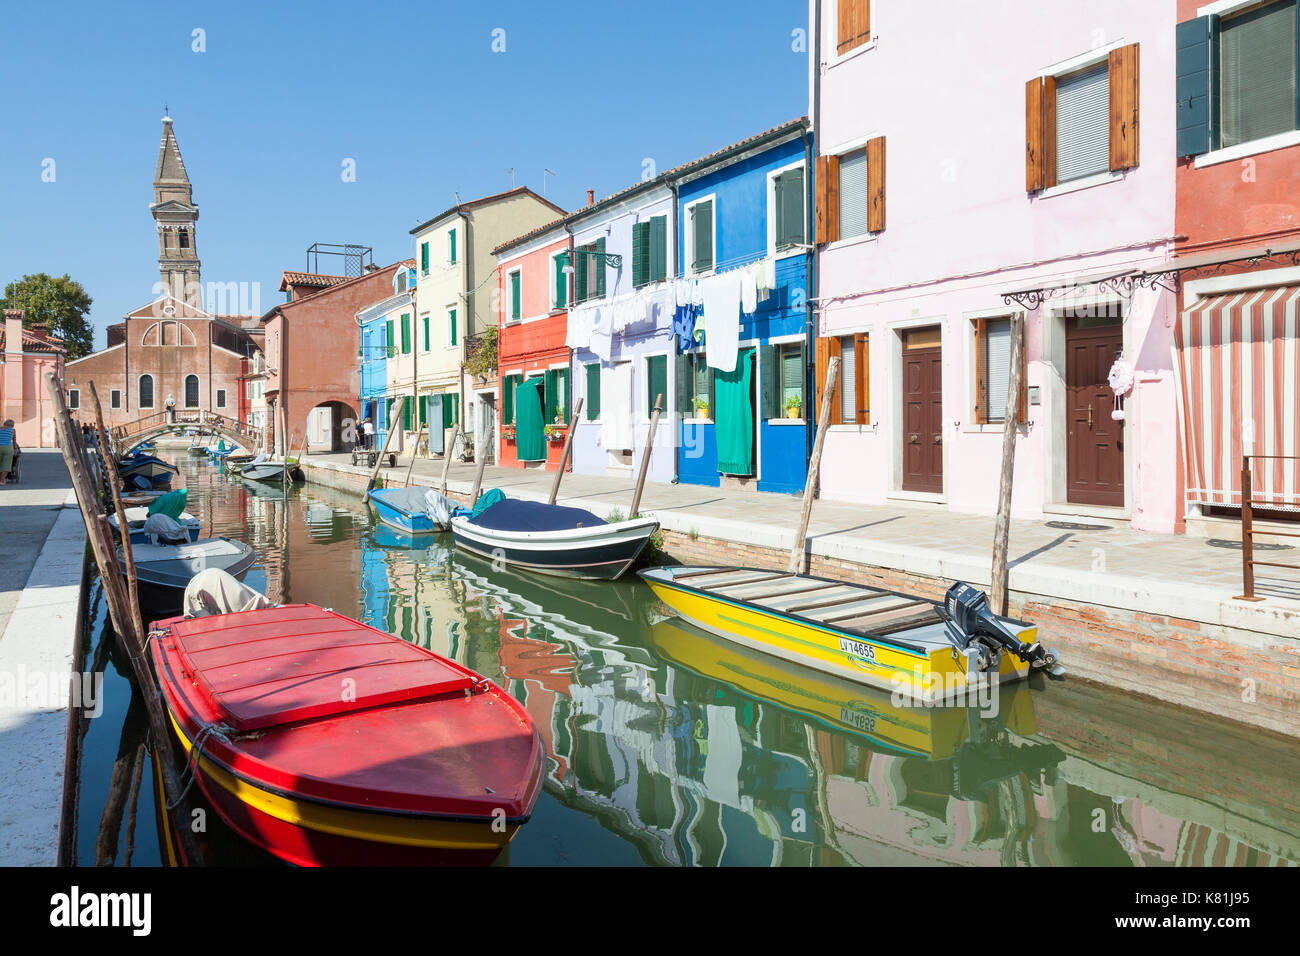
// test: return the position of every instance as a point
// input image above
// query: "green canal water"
(666, 746)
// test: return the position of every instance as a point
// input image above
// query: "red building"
(533, 322)
(1237, 258)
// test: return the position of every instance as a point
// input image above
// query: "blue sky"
(414, 93)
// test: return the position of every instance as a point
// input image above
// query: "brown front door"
(1094, 461)
(922, 410)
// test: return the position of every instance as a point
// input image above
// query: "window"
(649, 251)
(451, 327)
(851, 192)
(700, 236)
(555, 389)
(1083, 122)
(656, 379)
(694, 386)
(191, 391)
(787, 209)
(145, 397)
(851, 400)
(74, 398)
(184, 239)
(782, 371)
(221, 398)
(450, 409)
(515, 281)
(389, 339)
(589, 271)
(593, 391)
(508, 385)
(854, 24)
(424, 258)
(559, 281)
(451, 247)
(424, 320)
(1257, 74)
(115, 398)
(406, 334)
(993, 370)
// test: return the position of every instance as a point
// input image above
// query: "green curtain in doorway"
(530, 442)
(733, 416)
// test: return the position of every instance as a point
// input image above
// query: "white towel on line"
(748, 291)
(601, 333)
(721, 320)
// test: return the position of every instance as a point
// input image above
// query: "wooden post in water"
(1002, 530)
(645, 457)
(481, 454)
(395, 417)
(447, 447)
(414, 447)
(568, 446)
(114, 482)
(124, 622)
(814, 467)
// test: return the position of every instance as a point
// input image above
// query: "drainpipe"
(813, 278)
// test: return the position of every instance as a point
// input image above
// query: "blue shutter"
(1195, 83)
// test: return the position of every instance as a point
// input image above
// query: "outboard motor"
(982, 636)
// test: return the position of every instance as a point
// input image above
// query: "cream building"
(455, 291)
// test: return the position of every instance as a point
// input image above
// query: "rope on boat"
(219, 730)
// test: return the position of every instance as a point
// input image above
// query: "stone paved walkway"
(1165, 574)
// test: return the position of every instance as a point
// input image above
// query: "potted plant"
(508, 432)
(701, 407)
(793, 406)
(554, 433)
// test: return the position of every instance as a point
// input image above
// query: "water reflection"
(671, 747)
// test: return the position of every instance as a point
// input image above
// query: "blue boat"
(405, 509)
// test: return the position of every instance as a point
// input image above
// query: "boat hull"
(601, 553)
(266, 472)
(921, 671)
(162, 586)
(401, 519)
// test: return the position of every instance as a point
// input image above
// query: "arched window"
(191, 391)
(146, 391)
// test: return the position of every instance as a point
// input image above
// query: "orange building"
(25, 356)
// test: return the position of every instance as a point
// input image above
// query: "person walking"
(367, 434)
(8, 448)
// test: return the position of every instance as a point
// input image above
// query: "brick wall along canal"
(667, 746)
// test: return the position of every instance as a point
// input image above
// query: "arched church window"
(146, 391)
(191, 391)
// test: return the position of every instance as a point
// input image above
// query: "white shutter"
(1083, 124)
(997, 366)
(1258, 63)
(848, 380)
(853, 195)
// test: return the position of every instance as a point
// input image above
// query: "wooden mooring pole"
(126, 621)
(568, 446)
(448, 447)
(481, 455)
(395, 417)
(814, 467)
(645, 456)
(1010, 419)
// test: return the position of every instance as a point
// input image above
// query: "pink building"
(25, 356)
(1005, 151)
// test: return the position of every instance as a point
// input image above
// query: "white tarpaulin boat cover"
(215, 592)
(164, 529)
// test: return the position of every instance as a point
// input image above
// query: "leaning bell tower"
(175, 215)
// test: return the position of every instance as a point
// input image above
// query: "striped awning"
(1238, 363)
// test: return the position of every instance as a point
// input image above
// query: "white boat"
(164, 570)
(274, 469)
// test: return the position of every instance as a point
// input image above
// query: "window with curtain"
(191, 391)
(1083, 123)
(995, 371)
(848, 376)
(1257, 73)
(791, 365)
(853, 194)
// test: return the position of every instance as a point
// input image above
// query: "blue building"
(376, 352)
(744, 217)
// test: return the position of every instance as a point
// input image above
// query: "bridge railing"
(177, 418)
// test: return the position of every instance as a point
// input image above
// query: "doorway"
(922, 367)
(1094, 448)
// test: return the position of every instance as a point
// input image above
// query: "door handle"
(938, 439)
(1090, 415)
(914, 439)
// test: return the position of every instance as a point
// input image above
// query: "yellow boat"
(920, 651)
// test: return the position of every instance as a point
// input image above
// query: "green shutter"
(794, 373)
(600, 268)
(426, 333)
(640, 254)
(684, 373)
(508, 400)
(451, 242)
(551, 392)
(1194, 72)
(770, 375)
(388, 340)
(790, 206)
(580, 275)
(451, 324)
(408, 413)
(702, 231)
(406, 334)
(388, 413)
(422, 402)
(656, 381)
(593, 391)
(515, 304)
(447, 402)
(561, 283)
(658, 248)
(564, 393)
(424, 256)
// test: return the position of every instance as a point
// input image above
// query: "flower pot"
(792, 412)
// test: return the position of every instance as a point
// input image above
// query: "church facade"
(170, 353)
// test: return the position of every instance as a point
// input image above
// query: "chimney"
(13, 330)
(591, 197)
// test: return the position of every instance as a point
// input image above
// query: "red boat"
(327, 742)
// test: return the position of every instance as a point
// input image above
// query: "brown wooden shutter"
(854, 24)
(862, 387)
(821, 360)
(876, 184)
(828, 199)
(820, 185)
(833, 351)
(1034, 167)
(1049, 132)
(981, 373)
(1124, 90)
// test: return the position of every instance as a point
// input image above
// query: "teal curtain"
(530, 442)
(734, 416)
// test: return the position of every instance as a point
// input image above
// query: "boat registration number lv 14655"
(857, 648)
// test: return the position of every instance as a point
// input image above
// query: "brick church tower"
(174, 212)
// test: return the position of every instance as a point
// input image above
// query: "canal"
(669, 747)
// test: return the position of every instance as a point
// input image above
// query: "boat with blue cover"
(553, 539)
(410, 509)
